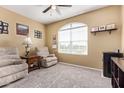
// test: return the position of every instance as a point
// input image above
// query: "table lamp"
(27, 42)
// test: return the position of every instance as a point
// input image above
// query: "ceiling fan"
(55, 7)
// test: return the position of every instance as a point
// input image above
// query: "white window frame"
(59, 50)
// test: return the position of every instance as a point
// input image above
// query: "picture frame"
(22, 29)
(93, 29)
(5, 28)
(37, 34)
(1, 23)
(1, 31)
(102, 28)
(1, 27)
(5, 24)
(110, 26)
(5, 31)
(54, 41)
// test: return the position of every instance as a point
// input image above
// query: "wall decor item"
(54, 41)
(5, 24)
(37, 34)
(104, 28)
(96, 28)
(1, 23)
(22, 29)
(101, 28)
(5, 30)
(110, 26)
(0, 31)
(3, 27)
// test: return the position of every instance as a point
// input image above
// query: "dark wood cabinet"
(117, 79)
(107, 62)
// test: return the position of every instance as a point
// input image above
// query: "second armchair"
(48, 59)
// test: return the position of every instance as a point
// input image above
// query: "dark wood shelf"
(108, 30)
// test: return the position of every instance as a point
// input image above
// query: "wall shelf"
(108, 30)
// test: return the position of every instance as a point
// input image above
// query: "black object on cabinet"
(107, 62)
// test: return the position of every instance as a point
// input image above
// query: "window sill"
(73, 54)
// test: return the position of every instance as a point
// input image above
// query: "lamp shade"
(27, 41)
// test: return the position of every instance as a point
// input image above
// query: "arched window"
(73, 39)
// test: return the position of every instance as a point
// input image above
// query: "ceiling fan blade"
(58, 11)
(65, 5)
(47, 9)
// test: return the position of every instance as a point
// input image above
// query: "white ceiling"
(35, 11)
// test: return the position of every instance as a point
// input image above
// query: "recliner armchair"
(47, 59)
(12, 67)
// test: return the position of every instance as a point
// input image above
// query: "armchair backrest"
(9, 51)
(43, 52)
(9, 56)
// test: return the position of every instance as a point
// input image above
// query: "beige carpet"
(63, 76)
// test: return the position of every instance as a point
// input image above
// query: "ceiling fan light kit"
(55, 7)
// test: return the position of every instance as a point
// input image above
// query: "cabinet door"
(121, 78)
(115, 79)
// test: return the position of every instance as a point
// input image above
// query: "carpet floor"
(63, 76)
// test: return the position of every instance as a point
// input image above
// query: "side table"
(33, 62)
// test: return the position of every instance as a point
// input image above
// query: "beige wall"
(122, 35)
(96, 44)
(13, 40)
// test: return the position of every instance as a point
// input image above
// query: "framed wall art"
(1, 23)
(101, 28)
(3, 27)
(110, 26)
(93, 29)
(22, 29)
(37, 34)
(54, 41)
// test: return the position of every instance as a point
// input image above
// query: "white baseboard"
(81, 66)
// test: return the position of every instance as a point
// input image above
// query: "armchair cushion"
(12, 69)
(9, 57)
(6, 62)
(8, 51)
